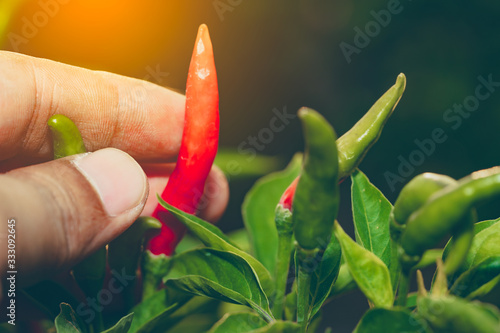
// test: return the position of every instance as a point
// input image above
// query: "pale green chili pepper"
(415, 195)
(445, 211)
(90, 272)
(353, 145)
(453, 314)
(67, 139)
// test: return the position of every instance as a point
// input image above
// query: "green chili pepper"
(90, 272)
(417, 192)
(315, 204)
(316, 199)
(447, 313)
(353, 145)
(453, 314)
(412, 197)
(67, 140)
(124, 251)
(449, 211)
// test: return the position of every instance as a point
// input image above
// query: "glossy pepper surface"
(198, 147)
(316, 199)
(444, 211)
(413, 196)
(353, 145)
(66, 137)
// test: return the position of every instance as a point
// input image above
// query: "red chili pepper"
(198, 147)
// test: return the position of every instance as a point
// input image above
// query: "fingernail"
(117, 178)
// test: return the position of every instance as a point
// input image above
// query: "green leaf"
(259, 208)
(325, 276)
(478, 227)
(479, 280)
(390, 321)
(212, 237)
(221, 275)
(279, 327)
(187, 243)
(238, 322)
(122, 326)
(197, 322)
(485, 244)
(240, 237)
(236, 165)
(369, 271)
(68, 321)
(371, 213)
(153, 314)
(344, 282)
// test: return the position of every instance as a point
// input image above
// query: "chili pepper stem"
(285, 247)
(150, 286)
(98, 323)
(303, 287)
(306, 263)
(404, 288)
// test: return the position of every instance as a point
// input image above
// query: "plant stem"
(404, 287)
(303, 287)
(282, 267)
(99, 323)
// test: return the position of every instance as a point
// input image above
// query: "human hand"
(68, 208)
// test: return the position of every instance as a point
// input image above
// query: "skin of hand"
(68, 208)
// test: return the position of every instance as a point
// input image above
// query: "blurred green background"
(276, 56)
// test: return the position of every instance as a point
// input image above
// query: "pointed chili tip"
(202, 28)
(401, 81)
(203, 41)
(304, 111)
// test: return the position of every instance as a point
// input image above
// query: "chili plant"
(293, 255)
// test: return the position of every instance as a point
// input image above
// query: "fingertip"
(117, 178)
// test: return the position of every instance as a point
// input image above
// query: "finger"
(138, 117)
(215, 196)
(68, 208)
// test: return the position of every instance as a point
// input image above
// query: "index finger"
(138, 117)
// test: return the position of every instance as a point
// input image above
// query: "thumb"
(68, 208)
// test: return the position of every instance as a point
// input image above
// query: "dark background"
(286, 54)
